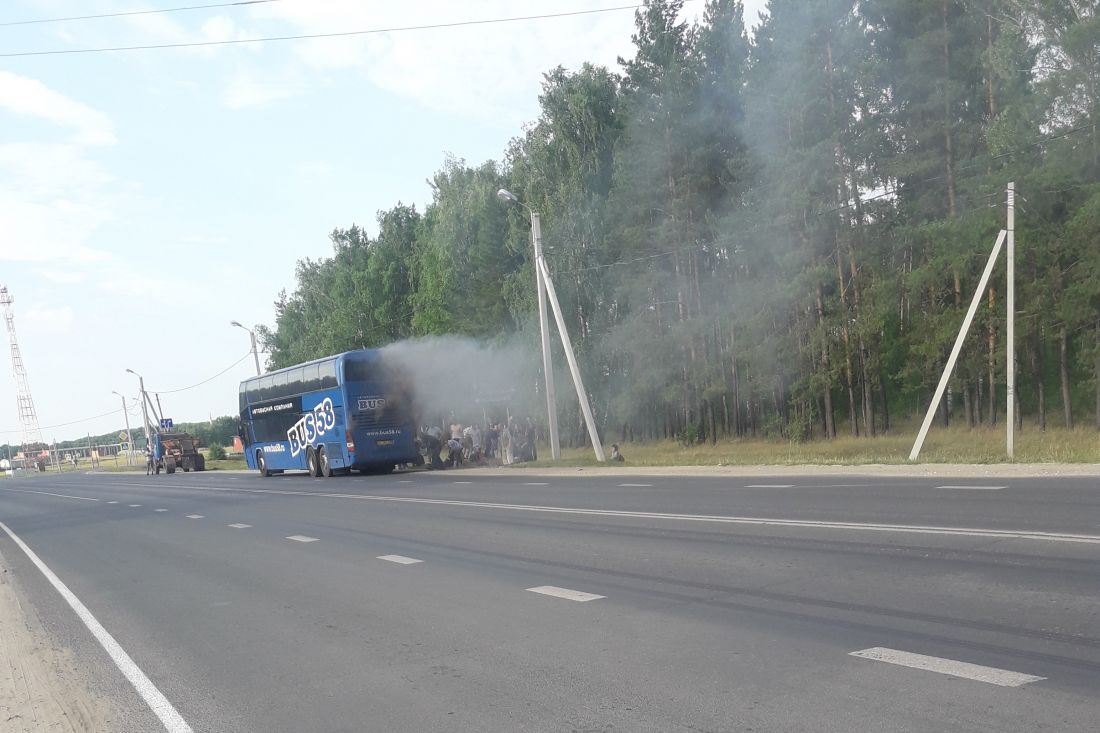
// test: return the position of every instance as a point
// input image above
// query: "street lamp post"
(144, 407)
(255, 351)
(544, 326)
(129, 435)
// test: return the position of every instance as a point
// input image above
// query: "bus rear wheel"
(322, 459)
(261, 464)
(313, 463)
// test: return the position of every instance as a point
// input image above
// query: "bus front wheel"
(313, 463)
(322, 459)
(261, 464)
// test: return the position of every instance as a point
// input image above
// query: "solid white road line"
(974, 488)
(635, 485)
(46, 493)
(1008, 534)
(157, 702)
(302, 538)
(566, 593)
(399, 559)
(239, 526)
(991, 675)
(194, 516)
(770, 486)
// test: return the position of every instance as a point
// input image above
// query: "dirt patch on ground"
(41, 688)
(930, 470)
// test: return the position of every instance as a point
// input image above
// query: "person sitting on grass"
(615, 454)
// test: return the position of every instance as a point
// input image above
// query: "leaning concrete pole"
(957, 347)
(582, 395)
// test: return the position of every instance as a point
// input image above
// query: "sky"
(148, 198)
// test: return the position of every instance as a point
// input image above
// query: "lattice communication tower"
(28, 419)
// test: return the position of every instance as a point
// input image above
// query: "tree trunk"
(1063, 364)
(1097, 370)
(827, 393)
(885, 404)
(1036, 358)
(968, 402)
(992, 361)
(948, 146)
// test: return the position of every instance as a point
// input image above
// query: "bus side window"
(294, 382)
(280, 385)
(266, 391)
(311, 380)
(327, 372)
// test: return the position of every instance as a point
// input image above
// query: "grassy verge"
(944, 445)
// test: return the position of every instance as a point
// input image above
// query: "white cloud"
(52, 198)
(482, 71)
(31, 97)
(63, 277)
(48, 320)
(247, 88)
(159, 28)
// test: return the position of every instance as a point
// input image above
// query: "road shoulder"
(921, 470)
(41, 687)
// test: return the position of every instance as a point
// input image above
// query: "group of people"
(499, 442)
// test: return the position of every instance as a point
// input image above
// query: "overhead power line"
(115, 411)
(123, 13)
(208, 379)
(335, 34)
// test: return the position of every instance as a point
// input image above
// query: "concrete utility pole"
(544, 325)
(144, 408)
(255, 351)
(1010, 336)
(582, 395)
(129, 435)
(928, 416)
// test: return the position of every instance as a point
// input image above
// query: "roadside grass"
(108, 465)
(943, 445)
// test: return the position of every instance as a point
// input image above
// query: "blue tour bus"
(328, 415)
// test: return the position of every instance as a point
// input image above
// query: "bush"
(216, 453)
(690, 435)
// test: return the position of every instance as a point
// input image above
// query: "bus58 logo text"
(312, 426)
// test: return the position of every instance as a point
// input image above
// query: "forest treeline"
(776, 234)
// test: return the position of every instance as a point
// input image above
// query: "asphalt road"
(731, 604)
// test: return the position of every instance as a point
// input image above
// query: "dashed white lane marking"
(112, 502)
(239, 526)
(536, 483)
(302, 538)
(966, 670)
(405, 481)
(1011, 534)
(770, 486)
(635, 485)
(157, 702)
(974, 488)
(399, 559)
(566, 593)
(463, 482)
(47, 493)
(160, 510)
(195, 516)
(133, 506)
